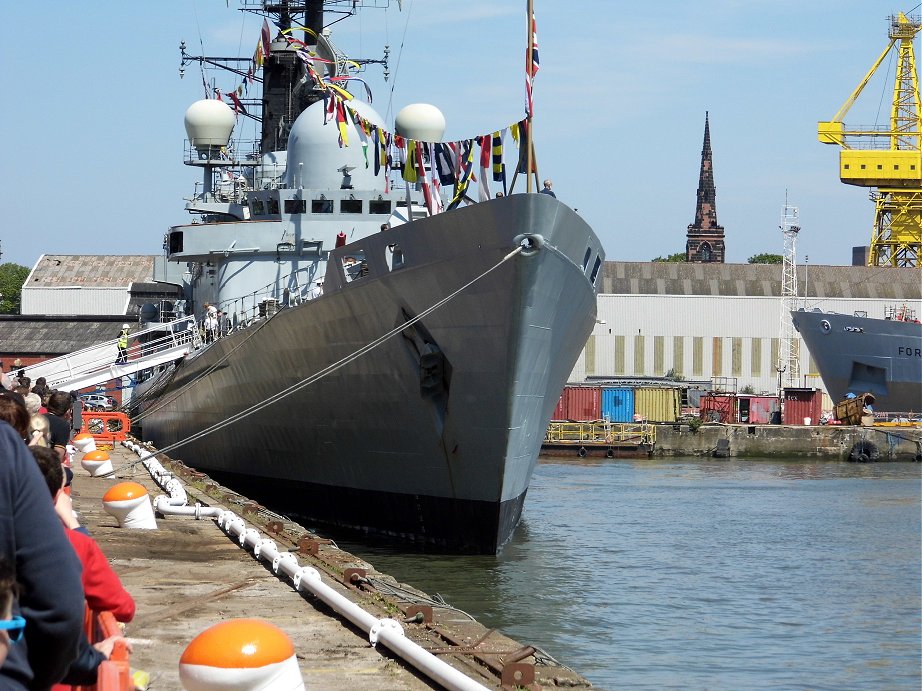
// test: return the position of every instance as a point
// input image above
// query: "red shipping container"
(582, 403)
(560, 411)
(757, 410)
(802, 405)
(718, 409)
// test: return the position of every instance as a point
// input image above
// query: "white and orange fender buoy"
(243, 655)
(85, 442)
(97, 463)
(130, 503)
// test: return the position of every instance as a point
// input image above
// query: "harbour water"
(691, 573)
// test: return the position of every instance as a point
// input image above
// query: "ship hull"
(862, 354)
(433, 435)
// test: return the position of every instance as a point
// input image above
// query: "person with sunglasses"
(51, 600)
(11, 627)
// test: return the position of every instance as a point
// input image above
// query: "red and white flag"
(531, 66)
(266, 38)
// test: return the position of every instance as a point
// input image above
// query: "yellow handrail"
(600, 432)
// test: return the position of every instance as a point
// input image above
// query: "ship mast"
(285, 92)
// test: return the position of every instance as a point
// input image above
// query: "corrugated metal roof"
(97, 271)
(54, 335)
(680, 278)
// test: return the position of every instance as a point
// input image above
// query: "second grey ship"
(392, 365)
(858, 354)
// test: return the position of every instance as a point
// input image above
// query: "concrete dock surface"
(188, 575)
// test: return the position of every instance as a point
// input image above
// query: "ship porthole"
(825, 326)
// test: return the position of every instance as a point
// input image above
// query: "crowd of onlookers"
(51, 569)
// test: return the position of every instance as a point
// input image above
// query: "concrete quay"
(828, 442)
(188, 575)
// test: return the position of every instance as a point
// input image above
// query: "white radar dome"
(209, 123)
(421, 122)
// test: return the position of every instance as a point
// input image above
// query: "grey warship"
(856, 353)
(397, 365)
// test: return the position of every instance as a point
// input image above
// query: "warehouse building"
(694, 321)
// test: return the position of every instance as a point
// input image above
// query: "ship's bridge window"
(595, 270)
(379, 206)
(586, 258)
(321, 206)
(350, 206)
(273, 205)
(175, 241)
(295, 206)
(258, 207)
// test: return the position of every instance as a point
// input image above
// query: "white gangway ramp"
(153, 346)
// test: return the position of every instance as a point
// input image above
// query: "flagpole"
(531, 77)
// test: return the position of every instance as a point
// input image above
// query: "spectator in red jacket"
(103, 589)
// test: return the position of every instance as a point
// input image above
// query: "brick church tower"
(705, 238)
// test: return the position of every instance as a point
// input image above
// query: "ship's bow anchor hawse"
(383, 346)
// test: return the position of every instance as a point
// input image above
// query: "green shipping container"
(657, 405)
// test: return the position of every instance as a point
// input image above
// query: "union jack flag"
(531, 66)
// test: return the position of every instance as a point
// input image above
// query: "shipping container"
(657, 405)
(582, 403)
(802, 406)
(756, 410)
(560, 410)
(617, 404)
(718, 409)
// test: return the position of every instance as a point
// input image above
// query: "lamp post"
(779, 368)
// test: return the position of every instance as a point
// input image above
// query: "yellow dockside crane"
(888, 160)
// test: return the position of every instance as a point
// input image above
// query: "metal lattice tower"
(789, 344)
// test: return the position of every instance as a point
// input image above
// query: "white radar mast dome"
(421, 122)
(209, 124)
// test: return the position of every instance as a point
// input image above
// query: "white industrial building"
(73, 284)
(699, 321)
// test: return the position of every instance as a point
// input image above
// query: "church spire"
(705, 237)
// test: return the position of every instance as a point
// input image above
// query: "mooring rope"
(294, 388)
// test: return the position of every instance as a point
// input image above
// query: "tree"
(766, 259)
(677, 257)
(12, 276)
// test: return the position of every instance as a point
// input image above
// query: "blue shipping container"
(618, 404)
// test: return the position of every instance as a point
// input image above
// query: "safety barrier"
(113, 674)
(106, 427)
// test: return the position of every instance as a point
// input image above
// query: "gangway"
(155, 345)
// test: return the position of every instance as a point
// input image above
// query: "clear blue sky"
(93, 114)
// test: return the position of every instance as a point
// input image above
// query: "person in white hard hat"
(122, 345)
